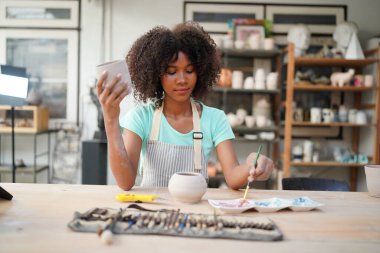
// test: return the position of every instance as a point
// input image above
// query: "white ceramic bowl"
(372, 173)
(187, 187)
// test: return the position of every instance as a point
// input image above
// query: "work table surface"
(37, 217)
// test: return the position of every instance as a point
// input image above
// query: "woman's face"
(179, 79)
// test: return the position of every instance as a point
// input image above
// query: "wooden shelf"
(357, 102)
(249, 53)
(242, 139)
(332, 124)
(326, 164)
(232, 90)
(331, 62)
(252, 130)
(324, 87)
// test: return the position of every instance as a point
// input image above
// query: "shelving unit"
(293, 63)
(36, 166)
(242, 59)
(230, 99)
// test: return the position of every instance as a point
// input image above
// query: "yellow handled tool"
(135, 197)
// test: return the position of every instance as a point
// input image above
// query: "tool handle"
(135, 197)
(257, 156)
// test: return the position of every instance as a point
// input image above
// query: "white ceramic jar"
(254, 41)
(260, 79)
(187, 187)
(361, 117)
(315, 115)
(271, 82)
(237, 79)
(307, 151)
(249, 83)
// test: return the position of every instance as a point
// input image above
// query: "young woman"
(172, 131)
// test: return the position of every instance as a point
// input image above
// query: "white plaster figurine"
(299, 35)
(343, 34)
(342, 78)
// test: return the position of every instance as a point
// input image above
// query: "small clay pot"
(187, 187)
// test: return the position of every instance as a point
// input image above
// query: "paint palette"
(235, 206)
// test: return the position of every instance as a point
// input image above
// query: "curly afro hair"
(151, 54)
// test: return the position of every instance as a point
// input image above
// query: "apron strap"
(197, 137)
(197, 134)
(156, 124)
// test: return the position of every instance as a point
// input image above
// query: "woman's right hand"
(111, 94)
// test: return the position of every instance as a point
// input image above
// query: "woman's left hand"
(263, 169)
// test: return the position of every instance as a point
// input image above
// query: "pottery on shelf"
(187, 187)
(262, 107)
(241, 113)
(34, 97)
(233, 119)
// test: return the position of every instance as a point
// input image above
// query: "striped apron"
(162, 160)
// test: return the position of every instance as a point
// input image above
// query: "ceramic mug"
(342, 114)
(315, 115)
(328, 115)
(297, 153)
(250, 121)
(187, 187)
(368, 80)
(372, 173)
(361, 117)
(352, 115)
(268, 43)
(114, 68)
(358, 80)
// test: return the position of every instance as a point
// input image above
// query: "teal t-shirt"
(214, 126)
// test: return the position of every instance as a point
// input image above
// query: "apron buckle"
(197, 135)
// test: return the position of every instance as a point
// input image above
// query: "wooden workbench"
(37, 217)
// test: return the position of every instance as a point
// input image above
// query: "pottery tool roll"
(138, 220)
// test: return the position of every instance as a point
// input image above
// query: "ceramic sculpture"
(343, 34)
(342, 78)
(299, 35)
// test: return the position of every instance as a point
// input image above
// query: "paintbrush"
(254, 165)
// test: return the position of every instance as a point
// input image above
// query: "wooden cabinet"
(28, 119)
(293, 63)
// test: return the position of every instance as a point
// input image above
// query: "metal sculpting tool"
(254, 165)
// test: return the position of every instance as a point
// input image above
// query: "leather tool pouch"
(136, 219)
